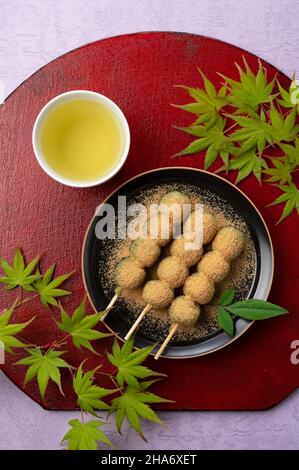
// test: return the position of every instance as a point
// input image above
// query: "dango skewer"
(199, 288)
(144, 252)
(173, 270)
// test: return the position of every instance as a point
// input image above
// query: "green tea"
(81, 140)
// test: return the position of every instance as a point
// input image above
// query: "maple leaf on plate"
(9, 330)
(80, 326)
(89, 395)
(134, 404)
(44, 366)
(49, 288)
(85, 436)
(129, 363)
(19, 274)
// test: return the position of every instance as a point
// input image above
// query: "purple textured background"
(33, 33)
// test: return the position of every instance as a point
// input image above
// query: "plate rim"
(199, 170)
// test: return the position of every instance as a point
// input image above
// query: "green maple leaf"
(247, 163)
(251, 91)
(254, 132)
(291, 152)
(44, 366)
(49, 288)
(8, 331)
(80, 326)
(19, 274)
(280, 172)
(212, 139)
(283, 129)
(290, 97)
(89, 396)
(290, 198)
(207, 102)
(134, 404)
(85, 436)
(129, 363)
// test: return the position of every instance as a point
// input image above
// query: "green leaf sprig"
(252, 125)
(80, 326)
(44, 366)
(85, 436)
(129, 396)
(250, 309)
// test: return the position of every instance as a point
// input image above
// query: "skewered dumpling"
(146, 251)
(184, 311)
(230, 242)
(203, 221)
(199, 288)
(172, 271)
(129, 274)
(178, 203)
(160, 229)
(214, 266)
(157, 293)
(189, 257)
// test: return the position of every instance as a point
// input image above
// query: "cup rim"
(118, 113)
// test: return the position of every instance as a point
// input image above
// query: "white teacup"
(47, 156)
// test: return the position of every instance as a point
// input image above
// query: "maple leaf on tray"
(283, 129)
(212, 139)
(246, 163)
(48, 288)
(280, 172)
(255, 132)
(8, 331)
(80, 326)
(19, 274)
(251, 91)
(207, 104)
(89, 395)
(290, 197)
(44, 366)
(85, 436)
(129, 363)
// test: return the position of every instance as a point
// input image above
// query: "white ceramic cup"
(80, 94)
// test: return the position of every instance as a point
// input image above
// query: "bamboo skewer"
(110, 305)
(146, 309)
(172, 331)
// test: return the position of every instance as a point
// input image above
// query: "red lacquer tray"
(139, 72)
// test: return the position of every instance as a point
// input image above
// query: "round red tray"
(139, 72)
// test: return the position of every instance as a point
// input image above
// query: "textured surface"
(218, 11)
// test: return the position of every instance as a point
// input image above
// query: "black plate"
(92, 254)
